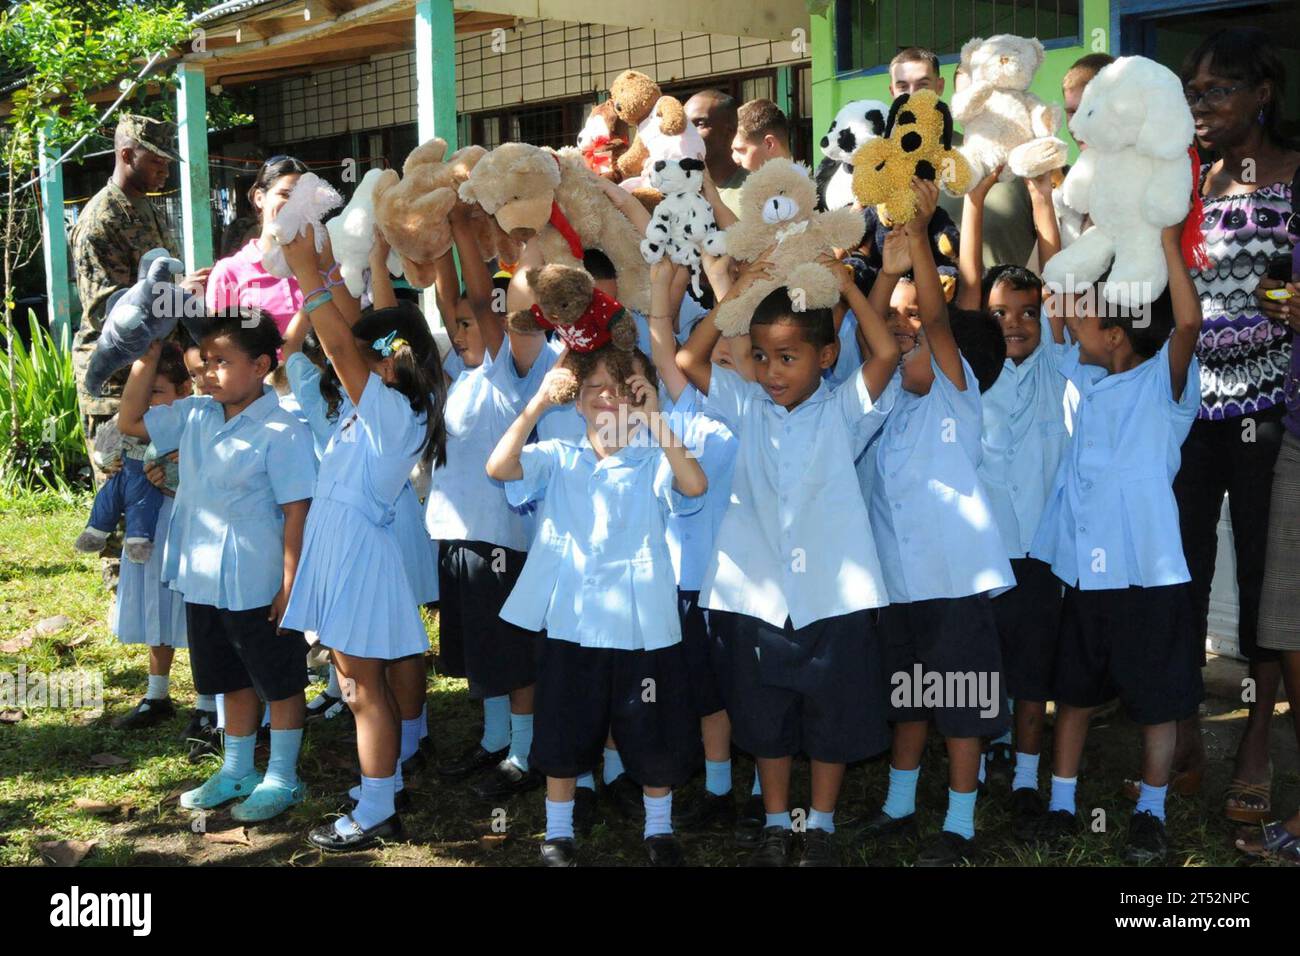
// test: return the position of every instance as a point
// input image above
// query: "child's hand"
(1040, 187)
(842, 271)
(379, 252)
(645, 395)
(896, 257)
(662, 273)
(927, 201)
(276, 611)
(750, 272)
(981, 190)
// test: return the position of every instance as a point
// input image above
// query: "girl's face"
(904, 316)
(466, 338)
(1017, 311)
(165, 391)
(194, 365)
(270, 200)
(603, 401)
(231, 375)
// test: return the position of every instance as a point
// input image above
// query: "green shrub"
(49, 452)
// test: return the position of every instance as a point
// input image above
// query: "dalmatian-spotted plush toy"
(682, 225)
(853, 125)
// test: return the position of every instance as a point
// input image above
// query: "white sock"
(158, 686)
(207, 702)
(424, 721)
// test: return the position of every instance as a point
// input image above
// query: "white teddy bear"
(1133, 180)
(854, 124)
(352, 236)
(682, 225)
(310, 200)
(1002, 123)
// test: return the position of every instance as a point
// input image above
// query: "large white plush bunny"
(854, 124)
(1133, 180)
(310, 200)
(1003, 124)
(352, 236)
(682, 225)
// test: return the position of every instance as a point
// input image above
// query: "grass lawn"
(46, 760)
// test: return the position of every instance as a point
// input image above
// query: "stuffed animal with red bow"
(603, 140)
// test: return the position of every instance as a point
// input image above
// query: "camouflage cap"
(154, 135)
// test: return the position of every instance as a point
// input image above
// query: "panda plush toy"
(854, 124)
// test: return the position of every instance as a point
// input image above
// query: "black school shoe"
(626, 796)
(999, 765)
(773, 848)
(586, 811)
(1058, 827)
(819, 849)
(1027, 812)
(506, 780)
(707, 811)
(750, 822)
(946, 849)
(884, 827)
(1147, 841)
(147, 713)
(470, 761)
(561, 851)
(326, 838)
(664, 850)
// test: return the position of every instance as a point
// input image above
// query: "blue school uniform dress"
(1110, 531)
(599, 581)
(940, 548)
(795, 571)
(351, 587)
(145, 610)
(483, 539)
(419, 556)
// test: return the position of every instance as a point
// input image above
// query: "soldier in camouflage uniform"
(117, 226)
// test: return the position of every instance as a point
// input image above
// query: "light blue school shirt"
(304, 379)
(796, 541)
(225, 546)
(1028, 416)
(691, 536)
(929, 511)
(453, 364)
(464, 504)
(598, 571)
(850, 357)
(1111, 520)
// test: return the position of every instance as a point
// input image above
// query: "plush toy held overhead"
(584, 318)
(307, 205)
(139, 315)
(778, 205)
(1003, 124)
(855, 124)
(603, 140)
(682, 226)
(917, 142)
(945, 241)
(352, 236)
(1133, 180)
(662, 130)
(553, 200)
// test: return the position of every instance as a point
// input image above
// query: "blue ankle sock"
(587, 782)
(239, 756)
(757, 791)
(559, 820)
(658, 815)
(496, 723)
(780, 820)
(821, 821)
(282, 769)
(266, 715)
(1026, 777)
(900, 801)
(613, 766)
(376, 803)
(205, 702)
(717, 777)
(961, 813)
(1152, 800)
(983, 759)
(521, 739)
(1062, 794)
(410, 739)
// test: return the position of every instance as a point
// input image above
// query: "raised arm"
(929, 293)
(478, 284)
(970, 258)
(382, 295)
(688, 477)
(722, 213)
(627, 204)
(348, 307)
(1187, 310)
(663, 343)
(882, 349)
(136, 392)
(1046, 228)
(504, 464)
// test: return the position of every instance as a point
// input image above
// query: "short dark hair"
(598, 264)
(981, 343)
(1084, 69)
(1247, 54)
(817, 325)
(171, 364)
(758, 118)
(252, 330)
(1148, 329)
(1018, 277)
(916, 54)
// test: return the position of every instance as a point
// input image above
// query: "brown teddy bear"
(585, 319)
(552, 199)
(413, 212)
(778, 206)
(660, 123)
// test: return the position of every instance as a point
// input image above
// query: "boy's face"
(194, 365)
(721, 354)
(918, 373)
(165, 391)
(231, 375)
(904, 316)
(1095, 343)
(749, 154)
(1017, 311)
(786, 364)
(600, 399)
(466, 338)
(1071, 96)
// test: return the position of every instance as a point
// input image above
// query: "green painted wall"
(830, 92)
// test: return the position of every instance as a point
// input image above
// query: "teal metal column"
(55, 246)
(196, 193)
(435, 99)
(785, 91)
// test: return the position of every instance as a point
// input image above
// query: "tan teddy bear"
(550, 199)
(662, 130)
(778, 205)
(585, 319)
(413, 212)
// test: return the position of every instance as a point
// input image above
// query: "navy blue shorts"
(1137, 644)
(641, 698)
(697, 642)
(235, 650)
(943, 663)
(818, 690)
(474, 580)
(1029, 627)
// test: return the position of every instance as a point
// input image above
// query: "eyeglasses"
(1213, 98)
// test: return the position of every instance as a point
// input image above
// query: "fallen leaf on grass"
(16, 644)
(237, 836)
(97, 807)
(492, 841)
(11, 716)
(108, 760)
(65, 852)
(49, 625)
